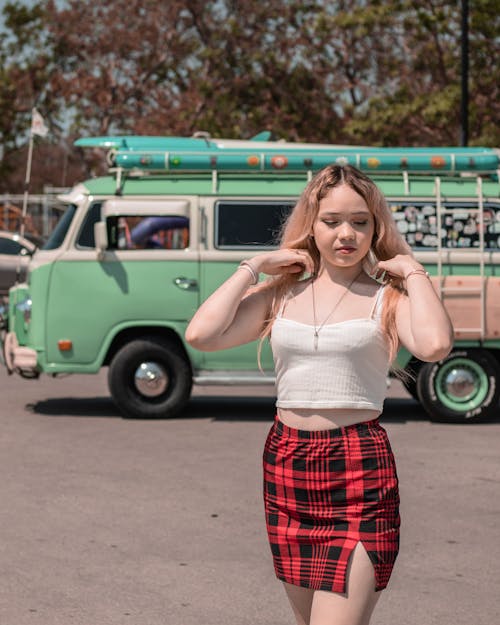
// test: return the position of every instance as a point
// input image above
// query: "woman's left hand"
(399, 266)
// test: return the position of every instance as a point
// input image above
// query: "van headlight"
(3, 318)
(24, 308)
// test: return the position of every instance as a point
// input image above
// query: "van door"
(149, 275)
(241, 227)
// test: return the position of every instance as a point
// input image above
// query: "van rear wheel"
(150, 378)
(463, 387)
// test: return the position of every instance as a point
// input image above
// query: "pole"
(26, 185)
(464, 107)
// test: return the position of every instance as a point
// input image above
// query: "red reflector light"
(65, 345)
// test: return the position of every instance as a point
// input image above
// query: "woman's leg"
(356, 606)
(301, 601)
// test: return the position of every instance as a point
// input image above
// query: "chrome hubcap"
(151, 379)
(460, 383)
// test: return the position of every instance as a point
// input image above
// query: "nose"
(346, 231)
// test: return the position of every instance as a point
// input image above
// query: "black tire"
(150, 397)
(461, 388)
(410, 379)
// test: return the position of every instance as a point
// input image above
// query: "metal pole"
(26, 185)
(464, 107)
(6, 202)
(45, 216)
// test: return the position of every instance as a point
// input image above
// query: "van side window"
(86, 234)
(461, 227)
(151, 232)
(418, 223)
(249, 224)
(8, 246)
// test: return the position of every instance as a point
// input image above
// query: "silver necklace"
(318, 328)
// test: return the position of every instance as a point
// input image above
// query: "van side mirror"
(100, 237)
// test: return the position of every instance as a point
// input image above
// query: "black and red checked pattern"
(325, 491)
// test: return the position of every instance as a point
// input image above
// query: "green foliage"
(354, 71)
(25, 61)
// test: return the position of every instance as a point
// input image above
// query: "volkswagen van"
(138, 250)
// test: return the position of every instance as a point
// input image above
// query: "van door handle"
(186, 284)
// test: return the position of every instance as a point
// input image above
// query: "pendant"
(315, 339)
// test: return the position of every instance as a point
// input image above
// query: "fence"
(43, 212)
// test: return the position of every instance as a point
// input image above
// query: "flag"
(38, 126)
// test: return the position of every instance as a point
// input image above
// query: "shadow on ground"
(219, 408)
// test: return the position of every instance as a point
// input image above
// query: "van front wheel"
(463, 387)
(150, 378)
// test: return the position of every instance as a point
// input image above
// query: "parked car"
(15, 254)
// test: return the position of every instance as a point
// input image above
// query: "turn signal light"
(65, 345)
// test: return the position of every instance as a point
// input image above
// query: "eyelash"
(335, 223)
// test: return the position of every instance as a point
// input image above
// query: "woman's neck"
(339, 275)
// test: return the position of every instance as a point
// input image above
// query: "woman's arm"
(230, 316)
(234, 314)
(423, 324)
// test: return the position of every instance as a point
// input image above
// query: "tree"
(353, 71)
(423, 106)
(23, 75)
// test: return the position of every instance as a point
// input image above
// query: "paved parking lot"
(112, 521)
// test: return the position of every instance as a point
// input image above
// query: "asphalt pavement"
(107, 521)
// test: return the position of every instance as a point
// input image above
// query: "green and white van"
(137, 251)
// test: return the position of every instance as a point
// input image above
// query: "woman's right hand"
(282, 261)
(233, 314)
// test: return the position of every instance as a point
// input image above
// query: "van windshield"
(58, 234)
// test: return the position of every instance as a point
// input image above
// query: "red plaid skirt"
(324, 492)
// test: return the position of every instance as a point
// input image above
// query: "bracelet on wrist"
(417, 272)
(245, 264)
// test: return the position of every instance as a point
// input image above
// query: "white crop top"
(348, 369)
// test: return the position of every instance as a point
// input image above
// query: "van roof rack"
(203, 153)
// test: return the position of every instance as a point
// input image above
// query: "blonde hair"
(386, 243)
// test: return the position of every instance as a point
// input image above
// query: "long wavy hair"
(386, 242)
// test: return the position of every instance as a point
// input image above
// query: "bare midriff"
(312, 419)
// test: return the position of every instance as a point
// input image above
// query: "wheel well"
(131, 334)
(413, 365)
(495, 352)
(407, 374)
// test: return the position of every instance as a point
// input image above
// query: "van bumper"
(18, 359)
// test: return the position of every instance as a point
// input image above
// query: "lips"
(346, 248)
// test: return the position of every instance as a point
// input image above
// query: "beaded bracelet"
(422, 272)
(245, 264)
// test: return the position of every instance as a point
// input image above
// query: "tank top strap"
(377, 304)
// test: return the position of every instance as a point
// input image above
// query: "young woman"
(330, 482)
